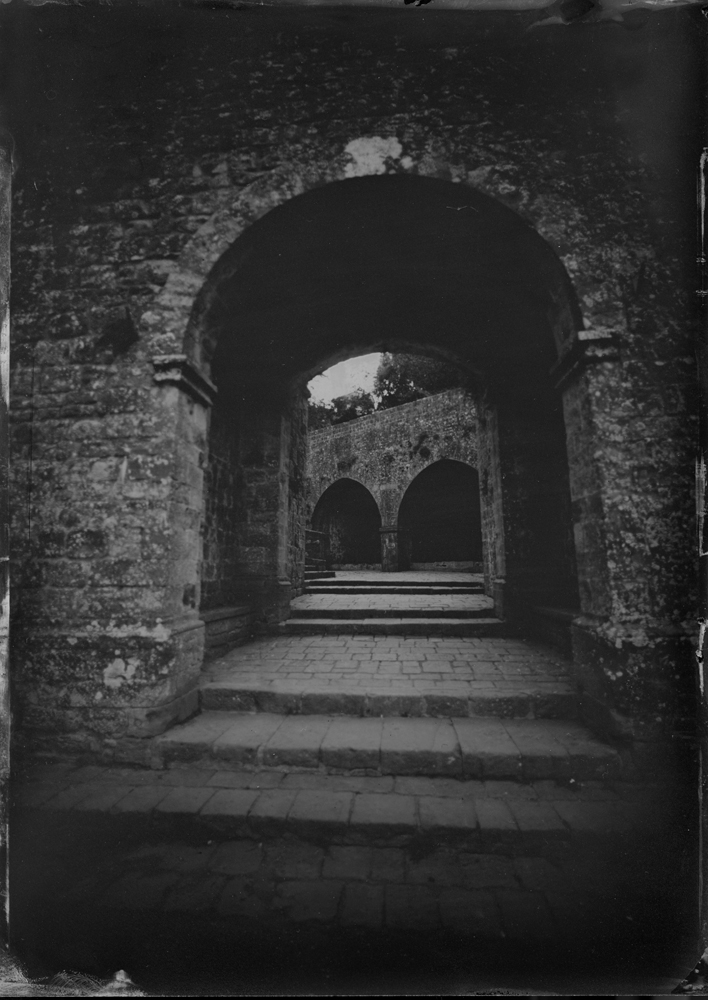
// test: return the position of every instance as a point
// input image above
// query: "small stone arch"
(439, 515)
(349, 516)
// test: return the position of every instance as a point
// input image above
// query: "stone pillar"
(5, 212)
(405, 549)
(109, 643)
(185, 398)
(263, 556)
(629, 458)
(272, 478)
(492, 511)
(389, 549)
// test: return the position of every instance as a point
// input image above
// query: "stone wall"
(143, 169)
(296, 491)
(385, 451)
(223, 512)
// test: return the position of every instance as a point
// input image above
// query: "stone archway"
(177, 325)
(306, 285)
(349, 516)
(440, 516)
(521, 502)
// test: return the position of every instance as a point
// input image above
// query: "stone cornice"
(177, 369)
(588, 347)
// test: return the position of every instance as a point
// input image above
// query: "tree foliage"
(401, 378)
(354, 404)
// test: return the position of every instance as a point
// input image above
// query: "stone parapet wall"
(385, 451)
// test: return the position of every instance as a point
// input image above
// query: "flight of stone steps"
(342, 707)
(315, 569)
(459, 751)
(519, 787)
(498, 782)
(416, 603)
(460, 759)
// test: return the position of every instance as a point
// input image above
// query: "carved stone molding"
(177, 369)
(588, 347)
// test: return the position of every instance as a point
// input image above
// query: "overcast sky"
(356, 373)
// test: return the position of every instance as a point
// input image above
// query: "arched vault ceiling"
(386, 258)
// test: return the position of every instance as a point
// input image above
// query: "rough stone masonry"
(211, 208)
(385, 452)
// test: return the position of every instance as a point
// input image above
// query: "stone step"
(319, 574)
(389, 580)
(512, 701)
(428, 588)
(471, 748)
(432, 626)
(491, 818)
(359, 613)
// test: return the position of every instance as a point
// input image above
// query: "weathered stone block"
(411, 907)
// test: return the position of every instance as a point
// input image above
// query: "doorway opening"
(349, 517)
(440, 516)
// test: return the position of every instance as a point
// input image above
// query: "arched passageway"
(440, 514)
(393, 263)
(349, 516)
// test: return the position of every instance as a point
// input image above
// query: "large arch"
(391, 262)
(440, 516)
(348, 515)
(173, 323)
(418, 248)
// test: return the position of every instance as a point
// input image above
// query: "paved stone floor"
(407, 576)
(288, 876)
(163, 901)
(394, 664)
(498, 815)
(360, 603)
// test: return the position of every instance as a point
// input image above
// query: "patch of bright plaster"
(119, 672)
(369, 155)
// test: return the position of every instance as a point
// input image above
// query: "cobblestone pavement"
(506, 814)
(474, 748)
(379, 603)
(521, 887)
(407, 576)
(95, 889)
(394, 664)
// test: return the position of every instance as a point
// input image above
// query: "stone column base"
(498, 595)
(268, 597)
(106, 692)
(389, 550)
(637, 687)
